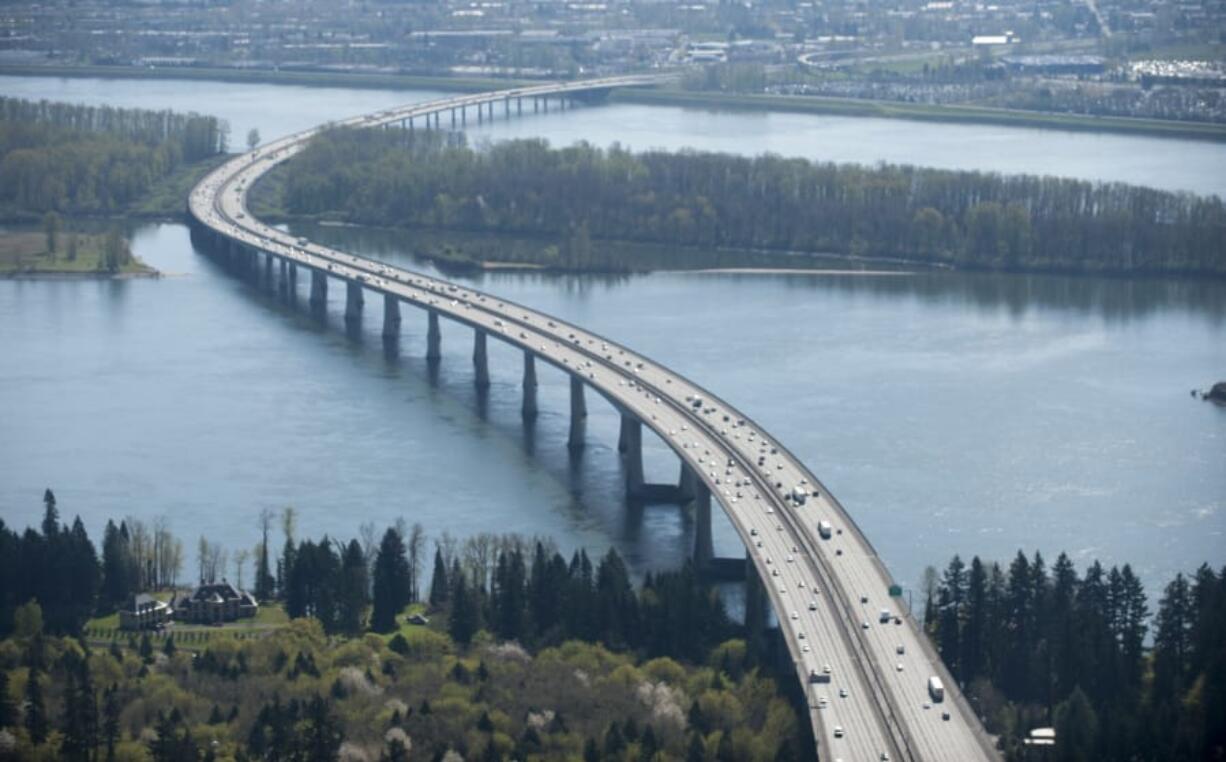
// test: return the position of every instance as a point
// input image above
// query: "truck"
(824, 529)
(799, 495)
(885, 616)
(936, 689)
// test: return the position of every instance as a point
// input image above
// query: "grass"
(26, 253)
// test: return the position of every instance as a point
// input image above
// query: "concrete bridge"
(861, 660)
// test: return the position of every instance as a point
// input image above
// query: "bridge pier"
(519, 106)
(704, 545)
(433, 339)
(578, 414)
(506, 107)
(529, 409)
(283, 279)
(687, 484)
(453, 119)
(268, 271)
(293, 279)
(319, 291)
(481, 363)
(391, 316)
(755, 606)
(480, 114)
(536, 105)
(353, 302)
(464, 115)
(438, 124)
(632, 433)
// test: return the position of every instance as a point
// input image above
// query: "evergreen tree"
(8, 712)
(36, 710)
(116, 562)
(1076, 729)
(391, 582)
(465, 617)
(353, 596)
(110, 720)
(439, 585)
(51, 515)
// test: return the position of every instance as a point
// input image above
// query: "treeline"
(576, 194)
(94, 159)
(500, 675)
(294, 696)
(1035, 647)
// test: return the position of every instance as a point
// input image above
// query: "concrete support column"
(632, 430)
(536, 105)
(481, 362)
(704, 545)
(433, 339)
(755, 602)
(353, 301)
(506, 107)
(438, 120)
(687, 484)
(391, 316)
(623, 433)
(480, 114)
(578, 413)
(293, 278)
(268, 271)
(529, 409)
(463, 115)
(519, 106)
(319, 290)
(283, 280)
(453, 119)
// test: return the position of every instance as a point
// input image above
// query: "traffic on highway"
(866, 669)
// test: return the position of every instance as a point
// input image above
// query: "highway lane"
(882, 711)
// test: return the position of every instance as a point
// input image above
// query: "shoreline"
(56, 275)
(832, 106)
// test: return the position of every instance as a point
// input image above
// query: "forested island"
(569, 198)
(508, 650)
(77, 170)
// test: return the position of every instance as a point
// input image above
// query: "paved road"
(876, 704)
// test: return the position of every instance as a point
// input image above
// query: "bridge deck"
(814, 585)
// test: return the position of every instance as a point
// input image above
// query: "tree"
(465, 611)
(51, 515)
(439, 587)
(253, 138)
(51, 228)
(116, 563)
(391, 582)
(264, 582)
(36, 710)
(8, 712)
(73, 245)
(353, 596)
(110, 720)
(1076, 729)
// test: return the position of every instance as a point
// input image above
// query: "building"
(216, 603)
(143, 612)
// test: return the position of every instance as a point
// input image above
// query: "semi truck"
(824, 529)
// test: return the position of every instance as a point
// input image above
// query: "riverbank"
(850, 107)
(25, 255)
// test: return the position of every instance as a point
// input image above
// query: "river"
(950, 412)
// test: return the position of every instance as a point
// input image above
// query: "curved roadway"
(828, 594)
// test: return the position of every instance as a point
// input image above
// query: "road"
(876, 705)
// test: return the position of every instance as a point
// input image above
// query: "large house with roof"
(215, 603)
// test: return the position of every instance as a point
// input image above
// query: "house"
(215, 603)
(143, 612)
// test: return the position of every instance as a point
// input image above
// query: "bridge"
(860, 658)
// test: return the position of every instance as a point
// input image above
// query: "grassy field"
(26, 253)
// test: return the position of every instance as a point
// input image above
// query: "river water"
(950, 412)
